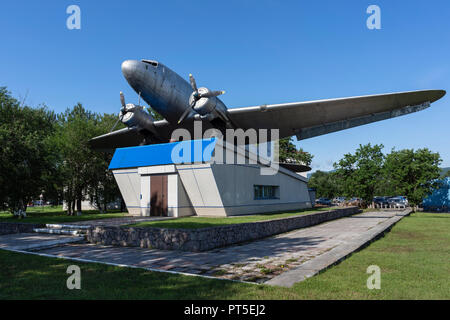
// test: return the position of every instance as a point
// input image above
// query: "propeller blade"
(192, 81)
(211, 94)
(122, 100)
(192, 104)
(184, 115)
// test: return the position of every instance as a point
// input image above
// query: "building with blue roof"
(204, 178)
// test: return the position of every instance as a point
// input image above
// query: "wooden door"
(158, 195)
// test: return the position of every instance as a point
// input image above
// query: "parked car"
(381, 201)
(404, 199)
(398, 202)
(339, 201)
(324, 201)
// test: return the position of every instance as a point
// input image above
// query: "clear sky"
(260, 52)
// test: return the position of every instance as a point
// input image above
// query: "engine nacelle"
(138, 117)
(203, 106)
(208, 107)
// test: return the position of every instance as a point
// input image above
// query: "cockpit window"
(151, 62)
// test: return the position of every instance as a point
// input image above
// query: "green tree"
(411, 173)
(102, 187)
(77, 161)
(25, 153)
(360, 173)
(289, 153)
(327, 184)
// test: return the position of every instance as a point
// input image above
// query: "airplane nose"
(129, 67)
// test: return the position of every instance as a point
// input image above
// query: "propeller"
(197, 95)
(123, 110)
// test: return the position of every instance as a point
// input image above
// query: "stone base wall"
(209, 238)
(12, 227)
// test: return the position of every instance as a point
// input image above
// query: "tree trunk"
(69, 207)
(79, 205)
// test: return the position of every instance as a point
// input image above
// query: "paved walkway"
(279, 260)
(339, 252)
(35, 241)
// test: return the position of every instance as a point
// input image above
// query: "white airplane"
(181, 103)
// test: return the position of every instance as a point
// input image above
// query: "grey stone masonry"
(13, 227)
(208, 238)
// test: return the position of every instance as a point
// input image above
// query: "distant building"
(87, 205)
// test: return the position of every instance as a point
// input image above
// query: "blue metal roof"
(189, 151)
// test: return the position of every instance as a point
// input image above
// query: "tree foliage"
(25, 153)
(84, 171)
(368, 172)
(289, 153)
(327, 184)
(103, 188)
(360, 172)
(411, 173)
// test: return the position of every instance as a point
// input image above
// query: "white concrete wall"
(129, 183)
(201, 188)
(185, 207)
(172, 195)
(145, 195)
(236, 187)
(220, 190)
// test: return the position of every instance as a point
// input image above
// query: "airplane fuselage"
(165, 91)
(181, 102)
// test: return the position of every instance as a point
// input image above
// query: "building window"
(266, 192)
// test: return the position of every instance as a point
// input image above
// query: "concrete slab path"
(280, 260)
(338, 253)
(35, 241)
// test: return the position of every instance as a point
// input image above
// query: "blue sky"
(260, 52)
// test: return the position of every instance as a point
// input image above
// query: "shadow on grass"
(33, 277)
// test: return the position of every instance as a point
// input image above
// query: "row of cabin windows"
(266, 192)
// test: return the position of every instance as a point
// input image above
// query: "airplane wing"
(314, 118)
(126, 137)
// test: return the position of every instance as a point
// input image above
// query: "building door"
(158, 195)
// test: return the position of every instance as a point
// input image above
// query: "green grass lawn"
(205, 222)
(414, 259)
(55, 214)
